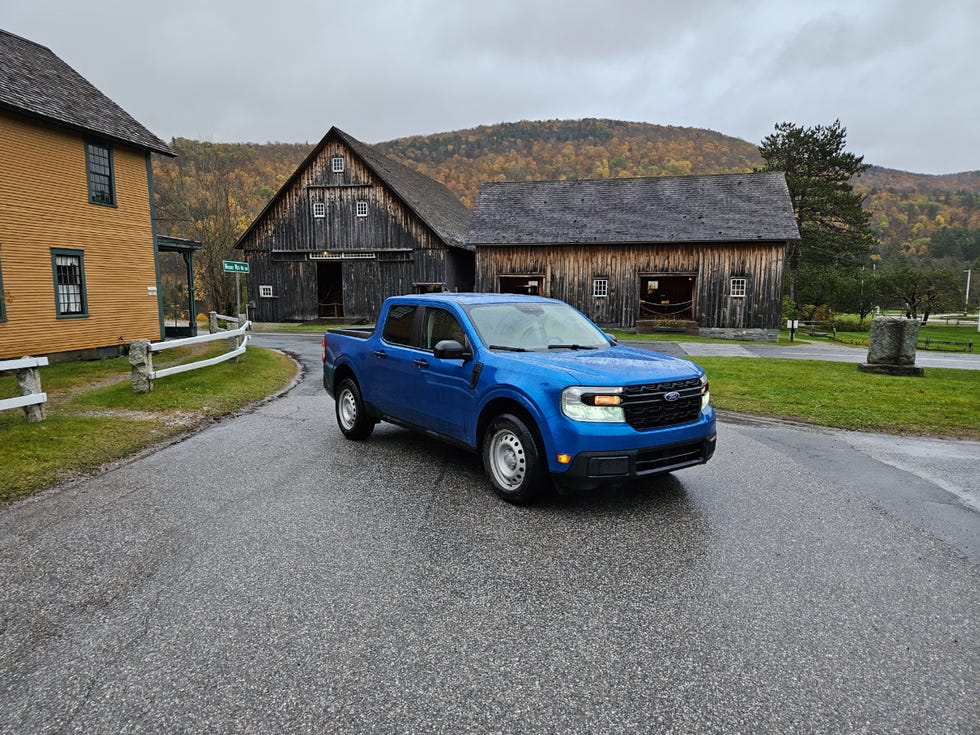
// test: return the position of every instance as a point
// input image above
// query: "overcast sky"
(903, 76)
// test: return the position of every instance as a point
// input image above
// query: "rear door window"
(399, 325)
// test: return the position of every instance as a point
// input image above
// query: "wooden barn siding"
(570, 269)
(290, 229)
(43, 205)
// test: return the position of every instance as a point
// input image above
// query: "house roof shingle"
(668, 209)
(35, 82)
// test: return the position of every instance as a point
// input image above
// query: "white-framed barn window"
(737, 288)
(362, 208)
(337, 164)
(265, 292)
(600, 288)
(319, 209)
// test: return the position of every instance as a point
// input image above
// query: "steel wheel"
(512, 459)
(508, 462)
(352, 419)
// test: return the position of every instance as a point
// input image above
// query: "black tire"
(513, 460)
(352, 418)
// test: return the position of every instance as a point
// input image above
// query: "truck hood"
(617, 365)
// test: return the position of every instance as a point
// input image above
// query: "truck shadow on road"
(407, 451)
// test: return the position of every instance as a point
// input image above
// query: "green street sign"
(234, 266)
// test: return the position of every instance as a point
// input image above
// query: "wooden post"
(141, 360)
(29, 383)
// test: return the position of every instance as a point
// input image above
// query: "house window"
(69, 282)
(3, 299)
(738, 287)
(337, 164)
(319, 209)
(600, 288)
(101, 182)
(265, 292)
(362, 209)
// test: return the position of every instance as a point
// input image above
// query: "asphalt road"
(264, 575)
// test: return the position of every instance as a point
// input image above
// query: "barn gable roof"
(433, 202)
(36, 83)
(667, 209)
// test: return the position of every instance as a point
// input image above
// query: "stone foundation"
(746, 335)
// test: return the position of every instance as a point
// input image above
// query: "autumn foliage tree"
(833, 223)
(210, 193)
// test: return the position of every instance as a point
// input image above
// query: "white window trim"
(319, 210)
(265, 292)
(337, 164)
(361, 208)
(738, 287)
(600, 288)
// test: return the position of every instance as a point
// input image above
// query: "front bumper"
(590, 470)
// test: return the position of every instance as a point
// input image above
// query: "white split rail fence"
(31, 398)
(141, 352)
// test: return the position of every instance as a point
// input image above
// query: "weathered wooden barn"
(78, 254)
(703, 252)
(349, 228)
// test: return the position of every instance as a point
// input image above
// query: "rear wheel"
(512, 460)
(352, 419)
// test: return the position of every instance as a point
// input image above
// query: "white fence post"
(141, 360)
(29, 383)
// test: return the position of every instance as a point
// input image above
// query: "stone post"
(891, 347)
(213, 322)
(141, 360)
(29, 383)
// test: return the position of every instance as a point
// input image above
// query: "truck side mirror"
(450, 349)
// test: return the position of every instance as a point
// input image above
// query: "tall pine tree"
(834, 227)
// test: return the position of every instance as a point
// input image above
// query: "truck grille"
(646, 408)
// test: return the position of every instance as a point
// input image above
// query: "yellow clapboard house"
(78, 258)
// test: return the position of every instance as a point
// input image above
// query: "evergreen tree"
(834, 227)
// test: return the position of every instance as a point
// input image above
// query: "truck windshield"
(524, 326)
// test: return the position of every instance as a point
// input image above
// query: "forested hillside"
(212, 191)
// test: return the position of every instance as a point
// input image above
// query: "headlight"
(705, 394)
(584, 403)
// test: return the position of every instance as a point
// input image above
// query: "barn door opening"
(329, 290)
(667, 297)
(532, 284)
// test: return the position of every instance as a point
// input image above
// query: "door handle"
(420, 362)
(381, 354)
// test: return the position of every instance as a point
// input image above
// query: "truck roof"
(470, 299)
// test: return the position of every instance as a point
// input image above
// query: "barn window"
(319, 209)
(362, 209)
(738, 288)
(600, 288)
(337, 164)
(265, 292)
(69, 282)
(101, 184)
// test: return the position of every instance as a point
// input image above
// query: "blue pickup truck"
(530, 383)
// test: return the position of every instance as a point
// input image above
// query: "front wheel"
(352, 419)
(512, 460)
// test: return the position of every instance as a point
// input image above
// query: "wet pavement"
(802, 350)
(265, 575)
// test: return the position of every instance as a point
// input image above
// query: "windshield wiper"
(571, 347)
(507, 348)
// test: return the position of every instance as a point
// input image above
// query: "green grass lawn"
(943, 403)
(94, 417)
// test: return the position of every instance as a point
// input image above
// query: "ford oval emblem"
(672, 396)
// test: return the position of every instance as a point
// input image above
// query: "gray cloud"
(900, 75)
